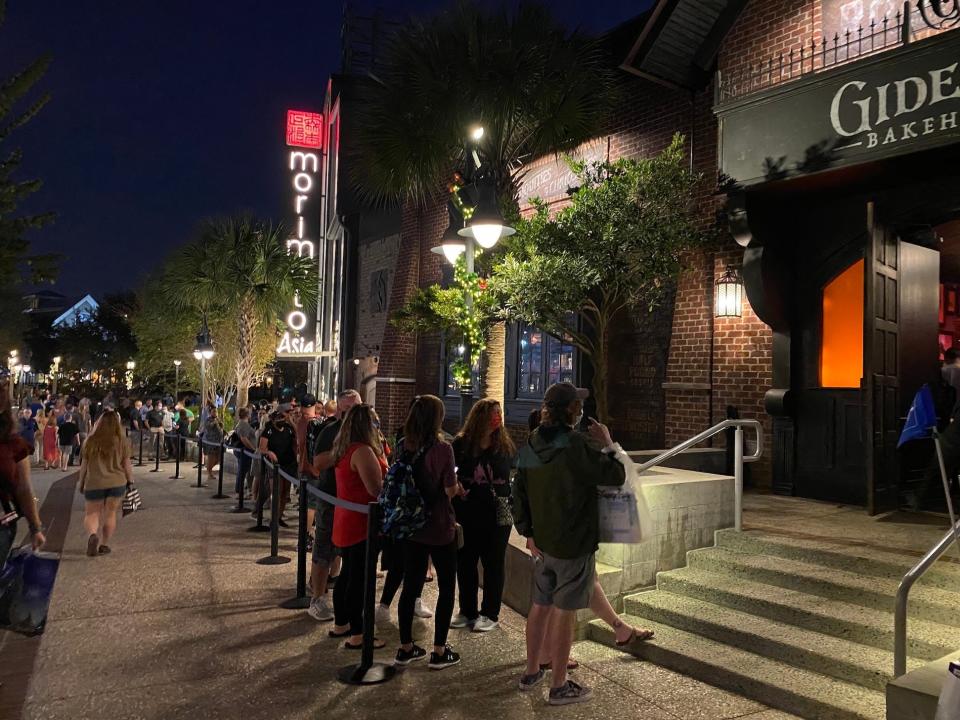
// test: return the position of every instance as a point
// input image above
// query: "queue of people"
(473, 489)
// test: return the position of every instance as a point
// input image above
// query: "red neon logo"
(304, 129)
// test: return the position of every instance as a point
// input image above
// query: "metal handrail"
(738, 457)
(900, 613)
(917, 571)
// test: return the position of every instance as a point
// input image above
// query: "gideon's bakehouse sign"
(891, 104)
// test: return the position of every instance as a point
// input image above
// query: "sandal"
(635, 635)
(378, 644)
(335, 634)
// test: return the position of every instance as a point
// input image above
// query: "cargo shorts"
(566, 584)
(323, 549)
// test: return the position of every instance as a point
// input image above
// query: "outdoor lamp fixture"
(204, 347)
(728, 294)
(131, 364)
(178, 363)
(451, 244)
(26, 369)
(486, 224)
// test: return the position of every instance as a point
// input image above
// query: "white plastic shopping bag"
(624, 515)
(949, 706)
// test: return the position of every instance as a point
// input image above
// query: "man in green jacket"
(555, 508)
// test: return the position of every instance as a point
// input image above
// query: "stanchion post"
(261, 489)
(156, 466)
(274, 558)
(369, 672)
(199, 461)
(179, 451)
(223, 461)
(140, 455)
(301, 601)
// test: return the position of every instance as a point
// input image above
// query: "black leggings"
(348, 592)
(486, 544)
(415, 556)
(392, 561)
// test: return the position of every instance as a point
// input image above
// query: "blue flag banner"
(922, 417)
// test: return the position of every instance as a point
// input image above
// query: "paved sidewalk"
(179, 622)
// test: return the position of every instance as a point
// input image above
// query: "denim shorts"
(104, 493)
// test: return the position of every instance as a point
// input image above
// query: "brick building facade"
(678, 369)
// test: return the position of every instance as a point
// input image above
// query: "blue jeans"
(244, 463)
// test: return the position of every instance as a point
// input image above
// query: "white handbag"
(624, 513)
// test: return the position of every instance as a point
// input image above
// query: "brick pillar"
(398, 363)
(408, 364)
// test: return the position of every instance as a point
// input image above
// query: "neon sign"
(304, 129)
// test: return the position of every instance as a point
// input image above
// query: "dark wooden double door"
(847, 437)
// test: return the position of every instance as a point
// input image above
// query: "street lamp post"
(484, 227)
(54, 372)
(203, 351)
(13, 364)
(176, 381)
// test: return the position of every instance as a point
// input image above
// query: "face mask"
(496, 421)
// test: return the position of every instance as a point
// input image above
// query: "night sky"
(164, 113)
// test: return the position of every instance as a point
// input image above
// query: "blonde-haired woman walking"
(105, 472)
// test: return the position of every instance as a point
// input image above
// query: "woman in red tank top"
(360, 469)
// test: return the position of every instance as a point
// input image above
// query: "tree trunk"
(601, 369)
(493, 376)
(245, 369)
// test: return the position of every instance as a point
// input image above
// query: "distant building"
(44, 302)
(81, 311)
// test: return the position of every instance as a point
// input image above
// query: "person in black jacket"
(485, 456)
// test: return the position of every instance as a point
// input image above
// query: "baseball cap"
(308, 401)
(561, 394)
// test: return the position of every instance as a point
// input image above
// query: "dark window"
(541, 361)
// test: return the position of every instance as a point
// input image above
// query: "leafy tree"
(240, 270)
(17, 264)
(616, 247)
(535, 87)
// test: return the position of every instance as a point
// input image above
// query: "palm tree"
(241, 266)
(535, 87)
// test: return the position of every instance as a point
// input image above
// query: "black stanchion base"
(176, 477)
(219, 496)
(273, 560)
(259, 528)
(296, 603)
(373, 675)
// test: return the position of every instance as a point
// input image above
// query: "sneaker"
(383, 615)
(320, 610)
(529, 682)
(485, 624)
(282, 523)
(405, 657)
(448, 659)
(461, 621)
(421, 611)
(93, 543)
(569, 693)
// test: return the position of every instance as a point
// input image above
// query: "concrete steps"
(862, 559)
(866, 626)
(794, 646)
(928, 603)
(802, 624)
(794, 690)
